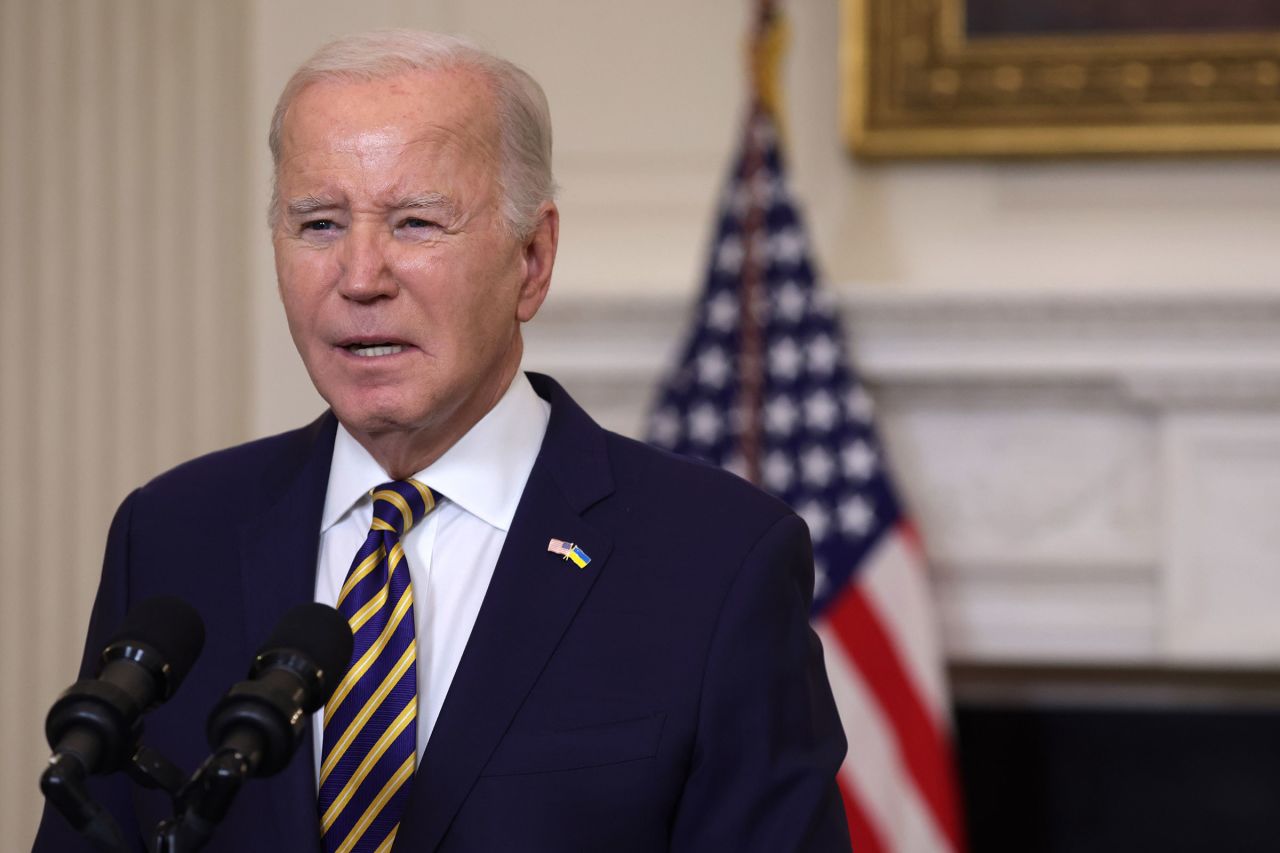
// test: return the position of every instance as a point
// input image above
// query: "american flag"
(764, 389)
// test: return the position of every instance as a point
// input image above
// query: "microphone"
(256, 727)
(294, 673)
(96, 722)
(95, 725)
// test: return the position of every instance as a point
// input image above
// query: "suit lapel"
(531, 601)
(278, 553)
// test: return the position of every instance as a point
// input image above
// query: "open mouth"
(374, 350)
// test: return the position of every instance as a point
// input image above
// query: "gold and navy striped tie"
(370, 722)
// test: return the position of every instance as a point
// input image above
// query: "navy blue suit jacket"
(669, 696)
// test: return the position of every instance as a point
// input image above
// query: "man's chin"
(375, 418)
(376, 424)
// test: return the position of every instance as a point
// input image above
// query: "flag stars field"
(858, 459)
(821, 411)
(722, 312)
(785, 359)
(705, 424)
(823, 354)
(790, 301)
(778, 472)
(856, 515)
(664, 426)
(859, 405)
(730, 255)
(817, 466)
(713, 367)
(815, 515)
(781, 415)
(787, 247)
(820, 581)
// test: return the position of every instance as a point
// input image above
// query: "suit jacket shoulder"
(646, 468)
(237, 481)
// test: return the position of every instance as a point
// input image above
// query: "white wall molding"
(1071, 458)
(1119, 338)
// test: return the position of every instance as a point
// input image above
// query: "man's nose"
(366, 273)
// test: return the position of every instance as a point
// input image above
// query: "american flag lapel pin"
(569, 551)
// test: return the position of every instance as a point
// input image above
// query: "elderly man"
(565, 640)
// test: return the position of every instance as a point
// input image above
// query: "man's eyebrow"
(426, 201)
(308, 204)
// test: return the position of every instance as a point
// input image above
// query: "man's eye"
(319, 225)
(416, 222)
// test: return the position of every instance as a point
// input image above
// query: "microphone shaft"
(62, 783)
(207, 798)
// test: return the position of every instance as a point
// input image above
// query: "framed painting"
(928, 78)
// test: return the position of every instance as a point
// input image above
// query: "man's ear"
(539, 257)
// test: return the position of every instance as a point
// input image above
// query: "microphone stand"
(63, 784)
(204, 801)
(199, 804)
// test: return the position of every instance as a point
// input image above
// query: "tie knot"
(399, 505)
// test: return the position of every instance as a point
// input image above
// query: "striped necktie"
(370, 722)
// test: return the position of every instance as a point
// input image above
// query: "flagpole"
(764, 51)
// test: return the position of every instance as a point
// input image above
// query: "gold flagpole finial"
(766, 48)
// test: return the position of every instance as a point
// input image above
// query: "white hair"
(524, 119)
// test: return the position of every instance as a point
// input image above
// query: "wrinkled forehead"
(448, 111)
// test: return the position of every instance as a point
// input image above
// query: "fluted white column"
(123, 306)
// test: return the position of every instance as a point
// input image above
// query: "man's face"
(403, 288)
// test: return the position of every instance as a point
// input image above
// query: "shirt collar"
(484, 472)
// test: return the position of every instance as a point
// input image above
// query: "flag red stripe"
(911, 537)
(862, 835)
(925, 751)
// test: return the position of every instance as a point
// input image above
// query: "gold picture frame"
(915, 84)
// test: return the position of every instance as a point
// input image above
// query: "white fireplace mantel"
(1096, 476)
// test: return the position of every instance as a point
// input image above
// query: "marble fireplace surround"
(1096, 476)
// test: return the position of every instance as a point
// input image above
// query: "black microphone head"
(168, 626)
(318, 634)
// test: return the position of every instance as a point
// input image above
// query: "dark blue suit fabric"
(668, 697)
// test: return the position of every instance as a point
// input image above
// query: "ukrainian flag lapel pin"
(569, 551)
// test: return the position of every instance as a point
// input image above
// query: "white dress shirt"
(453, 552)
